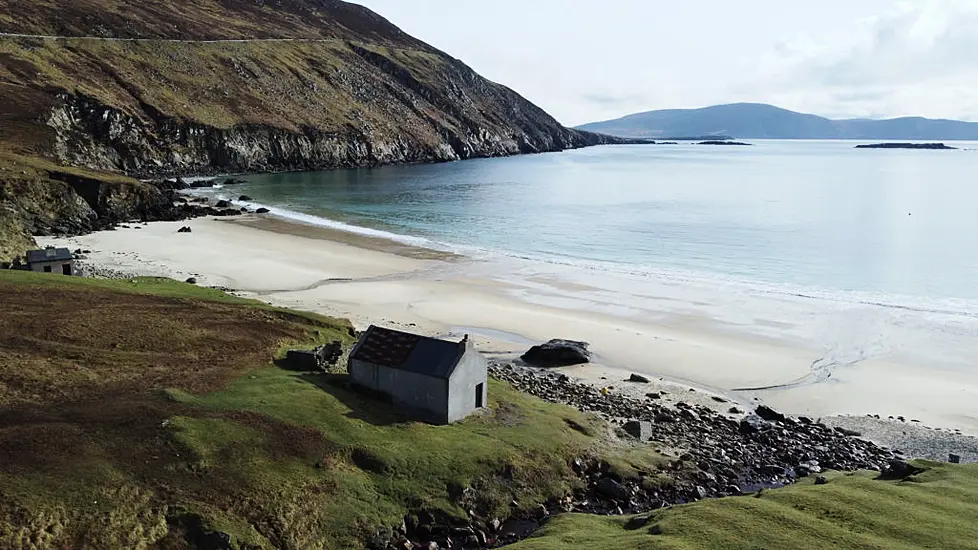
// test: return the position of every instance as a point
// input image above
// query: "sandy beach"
(371, 280)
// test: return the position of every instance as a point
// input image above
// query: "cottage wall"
(471, 371)
(406, 389)
(56, 267)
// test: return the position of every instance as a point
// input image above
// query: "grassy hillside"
(933, 510)
(147, 414)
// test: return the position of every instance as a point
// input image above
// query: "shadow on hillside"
(375, 409)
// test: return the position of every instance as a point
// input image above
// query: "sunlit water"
(862, 253)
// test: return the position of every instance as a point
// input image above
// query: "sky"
(589, 60)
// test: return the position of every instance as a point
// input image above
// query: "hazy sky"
(586, 60)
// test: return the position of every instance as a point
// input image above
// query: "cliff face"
(40, 198)
(311, 85)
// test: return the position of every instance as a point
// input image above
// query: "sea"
(861, 253)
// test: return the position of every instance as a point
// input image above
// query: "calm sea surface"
(811, 219)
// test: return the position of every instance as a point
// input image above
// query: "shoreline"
(371, 280)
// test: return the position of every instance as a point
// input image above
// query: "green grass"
(130, 405)
(935, 510)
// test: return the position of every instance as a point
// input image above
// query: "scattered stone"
(718, 399)
(769, 414)
(262, 211)
(244, 198)
(638, 378)
(558, 353)
(185, 229)
(735, 410)
(191, 280)
(821, 480)
(612, 489)
(654, 395)
(223, 204)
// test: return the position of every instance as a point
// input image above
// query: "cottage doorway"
(66, 269)
(478, 395)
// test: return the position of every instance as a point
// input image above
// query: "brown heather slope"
(352, 90)
(202, 20)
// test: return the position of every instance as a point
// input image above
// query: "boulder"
(639, 429)
(245, 198)
(262, 211)
(899, 469)
(200, 184)
(233, 181)
(638, 378)
(821, 480)
(769, 414)
(223, 204)
(191, 280)
(753, 424)
(185, 229)
(558, 353)
(612, 489)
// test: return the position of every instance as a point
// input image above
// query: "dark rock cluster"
(765, 448)
(718, 456)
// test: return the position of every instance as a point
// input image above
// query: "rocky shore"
(707, 454)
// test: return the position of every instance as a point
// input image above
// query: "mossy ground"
(933, 510)
(126, 405)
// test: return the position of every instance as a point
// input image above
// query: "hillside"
(759, 121)
(148, 414)
(311, 84)
(933, 510)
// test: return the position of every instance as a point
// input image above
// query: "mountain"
(177, 87)
(760, 121)
(181, 86)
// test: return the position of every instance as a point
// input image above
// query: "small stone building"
(438, 380)
(51, 260)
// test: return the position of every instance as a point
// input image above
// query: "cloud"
(918, 58)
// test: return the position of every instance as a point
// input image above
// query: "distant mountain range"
(760, 121)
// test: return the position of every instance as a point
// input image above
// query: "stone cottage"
(440, 381)
(51, 260)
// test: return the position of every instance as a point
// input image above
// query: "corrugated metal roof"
(409, 352)
(48, 255)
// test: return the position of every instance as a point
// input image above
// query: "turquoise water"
(812, 215)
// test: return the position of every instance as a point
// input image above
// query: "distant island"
(723, 142)
(760, 121)
(904, 146)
